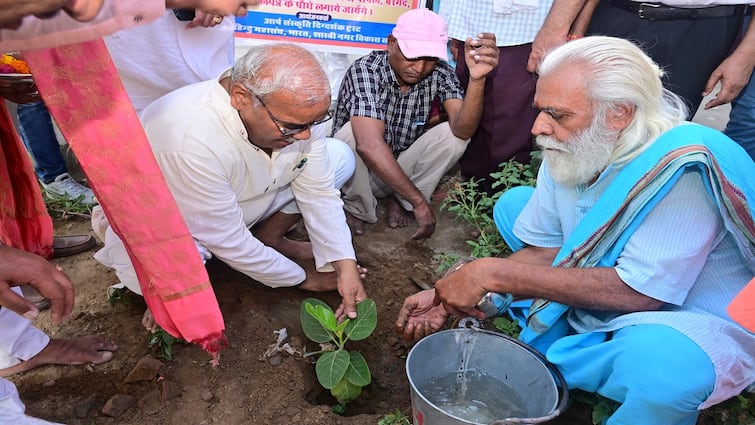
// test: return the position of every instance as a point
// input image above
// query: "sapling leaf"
(365, 322)
(358, 372)
(341, 326)
(323, 314)
(343, 373)
(331, 367)
(345, 391)
(311, 326)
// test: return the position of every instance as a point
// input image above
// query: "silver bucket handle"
(469, 323)
(563, 391)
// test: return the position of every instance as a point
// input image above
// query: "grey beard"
(580, 159)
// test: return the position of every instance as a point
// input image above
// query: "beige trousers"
(424, 162)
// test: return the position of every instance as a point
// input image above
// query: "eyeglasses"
(287, 129)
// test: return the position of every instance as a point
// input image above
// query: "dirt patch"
(243, 389)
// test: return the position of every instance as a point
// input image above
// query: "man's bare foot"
(299, 250)
(75, 351)
(272, 232)
(319, 281)
(148, 321)
(397, 215)
(356, 225)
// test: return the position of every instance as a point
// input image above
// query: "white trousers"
(12, 409)
(114, 254)
(424, 162)
(19, 340)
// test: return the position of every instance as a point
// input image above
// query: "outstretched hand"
(419, 317)
(481, 55)
(22, 268)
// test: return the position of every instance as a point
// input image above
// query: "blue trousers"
(741, 125)
(657, 374)
(38, 135)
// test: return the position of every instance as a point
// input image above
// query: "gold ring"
(216, 20)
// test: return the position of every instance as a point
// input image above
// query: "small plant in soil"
(475, 207)
(164, 342)
(395, 418)
(507, 326)
(601, 407)
(64, 207)
(342, 372)
(118, 296)
(445, 261)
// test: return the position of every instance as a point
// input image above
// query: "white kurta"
(223, 184)
(157, 58)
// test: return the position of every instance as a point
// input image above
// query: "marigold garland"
(12, 65)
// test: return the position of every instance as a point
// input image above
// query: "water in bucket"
(474, 396)
(503, 381)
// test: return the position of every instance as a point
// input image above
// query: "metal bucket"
(537, 384)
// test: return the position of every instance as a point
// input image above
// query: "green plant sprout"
(445, 261)
(395, 418)
(164, 342)
(118, 296)
(601, 407)
(62, 207)
(475, 207)
(507, 326)
(342, 372)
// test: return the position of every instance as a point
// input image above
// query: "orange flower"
(18, 65)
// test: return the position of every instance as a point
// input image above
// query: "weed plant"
(395, 418)
(63, 208)
(117, 296)
(474, 206)
(164, 343)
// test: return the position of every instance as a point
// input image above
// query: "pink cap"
(421, 32)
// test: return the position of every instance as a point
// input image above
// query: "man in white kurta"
(230, 172)
(157, 58)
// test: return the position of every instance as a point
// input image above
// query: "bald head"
(271, 68)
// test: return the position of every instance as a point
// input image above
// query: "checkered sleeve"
(364, 83)
(449, 86)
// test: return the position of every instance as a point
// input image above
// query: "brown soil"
(243, 389)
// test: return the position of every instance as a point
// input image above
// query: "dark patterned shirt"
(370, 89)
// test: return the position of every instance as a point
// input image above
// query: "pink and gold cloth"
(82, 90)
(24, 222)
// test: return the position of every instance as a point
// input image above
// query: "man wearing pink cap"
(383, 113)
